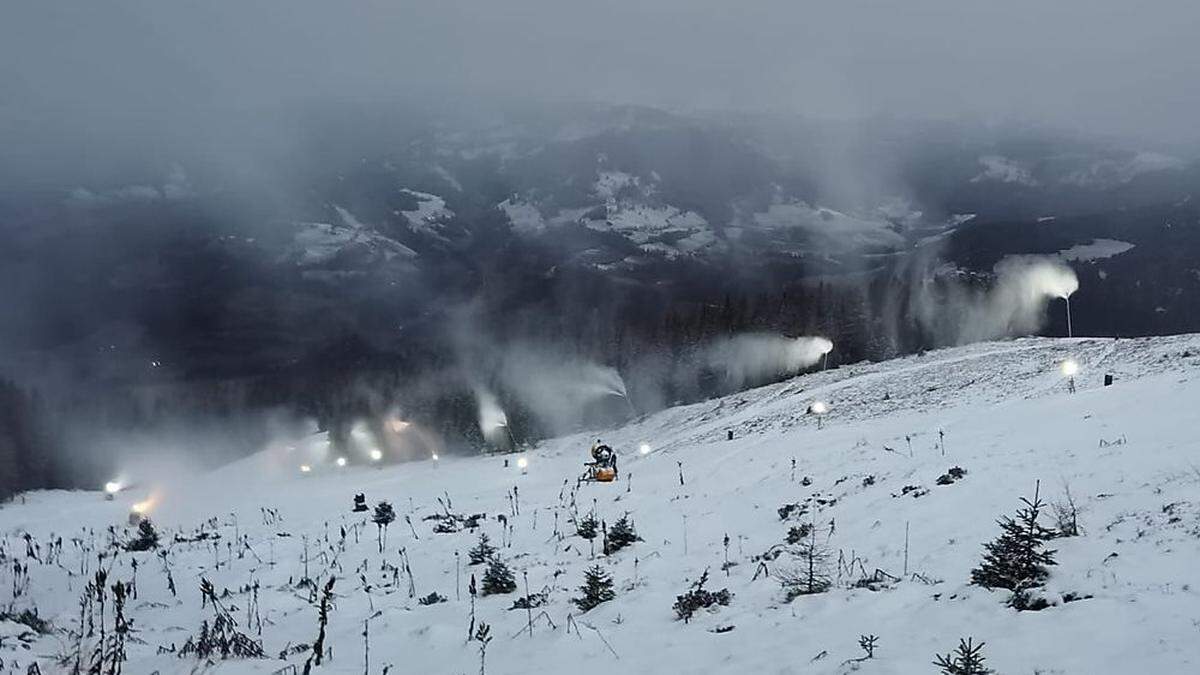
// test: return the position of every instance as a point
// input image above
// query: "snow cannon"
(603, 467)
(138, 512)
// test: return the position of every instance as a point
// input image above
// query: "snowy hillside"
(865, 476)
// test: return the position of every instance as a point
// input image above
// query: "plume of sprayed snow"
(491, 415)
(1015, 304)
(753, 358)
(558, 388)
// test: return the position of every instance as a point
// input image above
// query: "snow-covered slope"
(867, 473)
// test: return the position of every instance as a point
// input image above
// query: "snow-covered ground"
(429, 215)
(1097, 249)
(1128, 453)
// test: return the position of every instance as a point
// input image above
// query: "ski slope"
(1128, 452)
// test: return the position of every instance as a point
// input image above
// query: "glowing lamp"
(435, 457)
(112, 487)
(341, 461)
(818, 408)
(376, 455)
(304, 468)
(644, 448)
(522, 463)
(1070, 367)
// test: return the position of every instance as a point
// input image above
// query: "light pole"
(819, 409)
(1069, 368)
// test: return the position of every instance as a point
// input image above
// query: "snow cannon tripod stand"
(603, 467)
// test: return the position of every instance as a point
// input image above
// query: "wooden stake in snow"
(366, 646)
(528, 602)
(685, 534)
(906, 548)
(472, 589)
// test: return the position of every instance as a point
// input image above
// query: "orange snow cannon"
(603, 468)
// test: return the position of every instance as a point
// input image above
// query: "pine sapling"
(597, 588)
(484, 637)
(1066, 514)
(220, 638)
(868, 643)
(588, 526)
(620, 535)
(1017, 559)
(809, 575)
(383, 516)
(966, 660)
(433, 598)
(483, 551)
(147, 537)
(698, 598)
(498, 578)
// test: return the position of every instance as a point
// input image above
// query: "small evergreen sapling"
(698, 598)
(868, 643)
(383, 516)
(147, 537)
(432, 599)
(809, 575)
(498, 578)
(220, 639)
(797, 533)
(588, 526)
(966, 660)
(483, 551)
(597, 588)
(620, 535)
(484, 637)
(1066, 514)
(1017, 559)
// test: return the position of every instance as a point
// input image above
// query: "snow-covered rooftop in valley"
(901, 480)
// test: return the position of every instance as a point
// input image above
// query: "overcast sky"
(1126, 68)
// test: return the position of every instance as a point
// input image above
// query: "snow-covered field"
(1130, 454)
